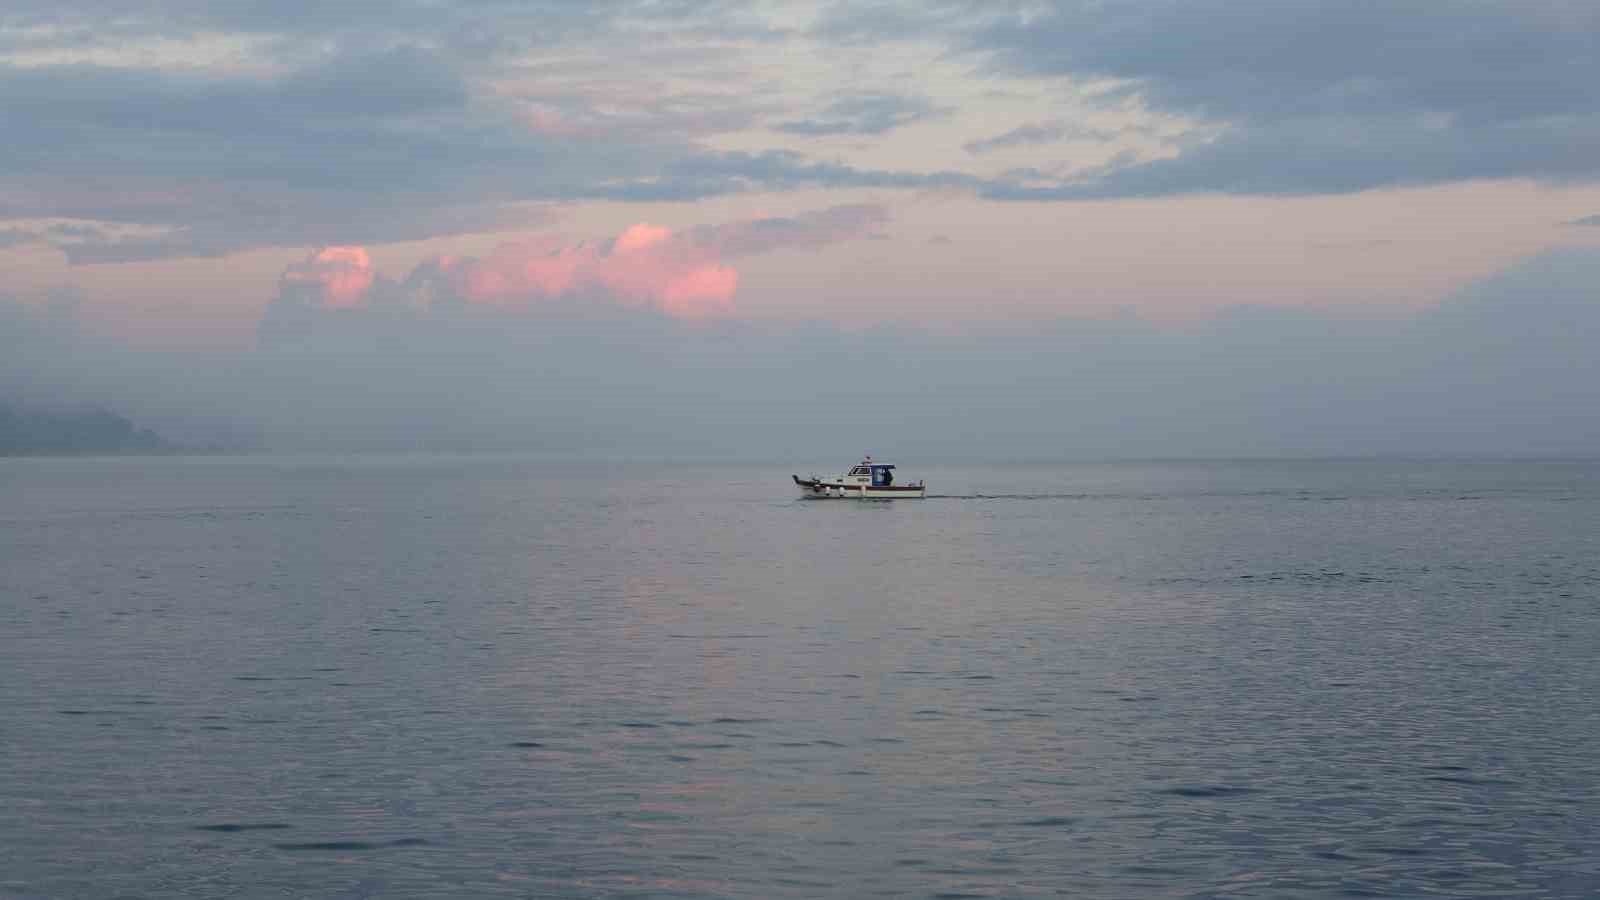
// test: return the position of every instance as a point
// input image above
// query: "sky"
(1211, 227)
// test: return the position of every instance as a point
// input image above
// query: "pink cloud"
(685, 274)
(340, 276)
(515, 273)
(703, 292)
(640, 236)
(647, 265)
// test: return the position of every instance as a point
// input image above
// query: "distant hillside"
(28, 431)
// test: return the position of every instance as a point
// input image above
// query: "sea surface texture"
(493, 676)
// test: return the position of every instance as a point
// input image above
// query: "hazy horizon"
(1504, 368)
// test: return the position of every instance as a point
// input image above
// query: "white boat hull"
(822, 489)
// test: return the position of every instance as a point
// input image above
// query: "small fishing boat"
(867, 480)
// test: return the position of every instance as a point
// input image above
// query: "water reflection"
(509, 679)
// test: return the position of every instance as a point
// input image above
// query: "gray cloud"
(1040, 133)
(375, 121)
(482, 25)
(375, 148)
(403, 81)
(1316, 96)
(232, 162)
(787, 169)
(67, 234)
(1324, 156)
(11, 237)
(807, 231)
(865, 114)
(1020, 136)
(1265, 61)
(1303, 96)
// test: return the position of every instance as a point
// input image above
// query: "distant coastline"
(41, 431)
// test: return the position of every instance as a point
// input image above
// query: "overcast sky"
(1085, 228)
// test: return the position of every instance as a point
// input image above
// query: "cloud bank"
(1317, 96)
(376, 140)
(686, 274)
(1504, 368)
(168, 130)
(1288, 97)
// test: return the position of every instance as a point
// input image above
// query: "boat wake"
(1012, 496)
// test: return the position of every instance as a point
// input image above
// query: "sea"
(511, 676)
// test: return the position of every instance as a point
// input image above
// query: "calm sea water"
(386, 676)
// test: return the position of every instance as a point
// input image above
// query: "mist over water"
(1504, 368)
(497, 676)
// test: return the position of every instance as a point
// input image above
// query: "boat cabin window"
(859, 470)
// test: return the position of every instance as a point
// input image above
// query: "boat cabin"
(869, 472)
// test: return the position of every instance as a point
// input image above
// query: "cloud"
(333, 277)
(401, 143)
(683, 274)
(491, 26)
(1323, 97)
(1039, 133)
(1328, 156)
(1020, 136)
(1298, 96)
(645, 266)
(806, 231)
(404, 81)
(640, 237)
(1586, 220)
(865, 114)
(11, 237)
(217, 127)
(228, 126)
(1267, 61)
(708, 174)
(381, 146)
